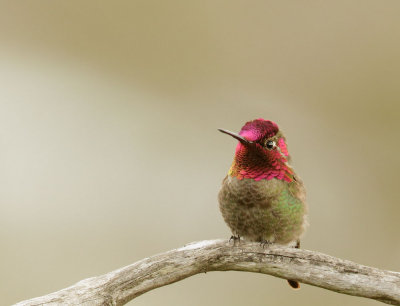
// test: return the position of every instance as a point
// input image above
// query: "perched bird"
(262, 199)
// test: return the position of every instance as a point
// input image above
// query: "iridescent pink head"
(261, 152)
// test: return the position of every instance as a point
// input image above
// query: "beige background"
(109, 150)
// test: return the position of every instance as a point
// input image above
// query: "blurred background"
(109, 149)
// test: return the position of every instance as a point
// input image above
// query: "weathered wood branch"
(120, 286)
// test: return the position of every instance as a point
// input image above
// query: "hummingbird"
(261, 198)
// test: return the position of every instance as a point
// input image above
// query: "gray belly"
(265, 210)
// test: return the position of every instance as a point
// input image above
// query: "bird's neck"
(255, 163)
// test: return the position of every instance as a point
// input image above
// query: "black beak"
(234, 135)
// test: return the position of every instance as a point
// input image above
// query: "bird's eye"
(270, 144)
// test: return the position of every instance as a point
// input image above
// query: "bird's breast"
(263, 210)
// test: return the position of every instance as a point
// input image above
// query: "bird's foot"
(235, 238)
(264, 243)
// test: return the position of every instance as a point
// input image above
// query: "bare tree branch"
(120, 286)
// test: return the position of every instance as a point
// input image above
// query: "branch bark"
(120, 286)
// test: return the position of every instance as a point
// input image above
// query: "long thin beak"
(234, 135)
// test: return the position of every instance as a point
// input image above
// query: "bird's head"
(261, 152)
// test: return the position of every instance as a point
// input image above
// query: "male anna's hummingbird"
(261, 198)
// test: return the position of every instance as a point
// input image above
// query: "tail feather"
(294, 284)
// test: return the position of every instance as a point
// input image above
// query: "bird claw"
(265, 243)
(234, 238)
